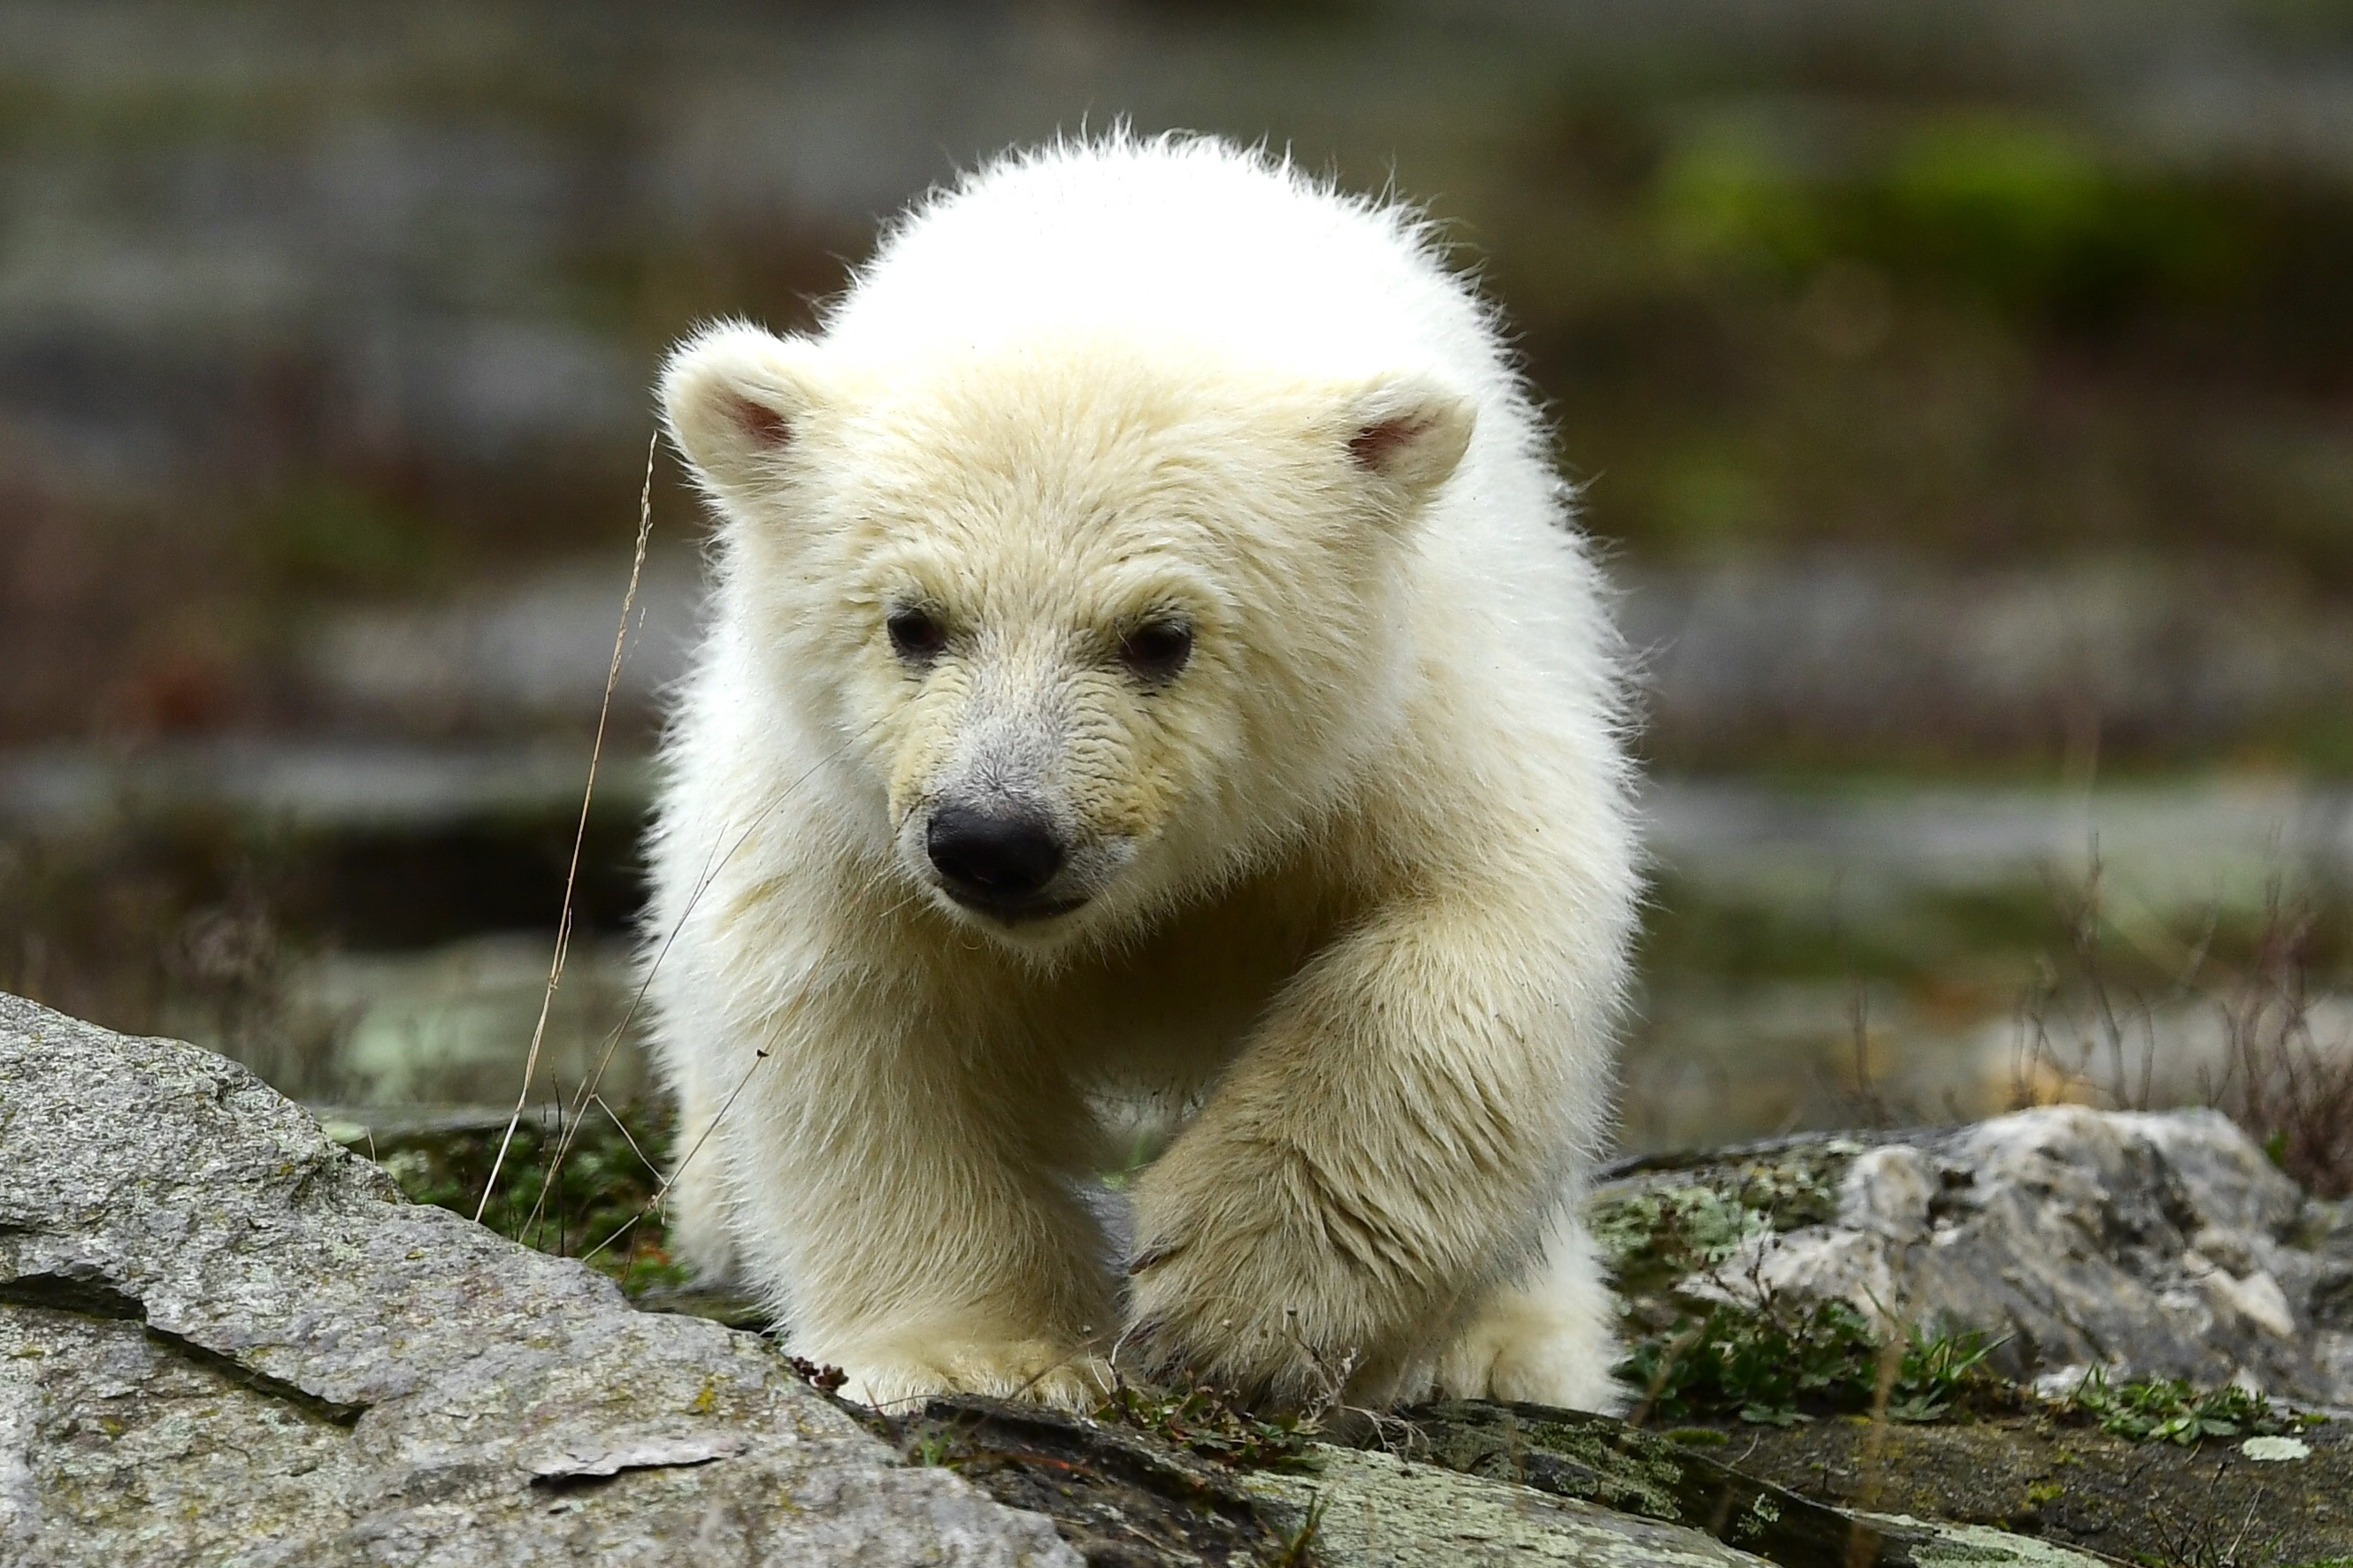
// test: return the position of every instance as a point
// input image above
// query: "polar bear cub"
(1149, 656)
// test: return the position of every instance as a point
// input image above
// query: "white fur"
(1358, 882)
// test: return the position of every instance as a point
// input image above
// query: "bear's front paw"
(1520, 1352)
(1253, 1300)
(1547, 1339)
(901, 1372)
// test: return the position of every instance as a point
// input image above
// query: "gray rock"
(1376, 1510)
(1373, 1509)
(2148, 1244)
(224, 1338)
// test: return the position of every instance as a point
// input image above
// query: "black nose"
(1000, 855)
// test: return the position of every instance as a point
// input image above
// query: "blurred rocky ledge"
(1858, 656)
(1866, 655)
(227, 1338)
(369, 922)
(2213, 835)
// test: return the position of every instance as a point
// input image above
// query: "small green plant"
(1763, 1367)
(1937, 1369)
(1214, 1425)
(1299, 1551)
(2171, 1410)
(1777, 1367)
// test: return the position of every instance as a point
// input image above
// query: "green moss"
(1782, 1367)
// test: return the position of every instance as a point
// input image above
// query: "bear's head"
(1091, 624)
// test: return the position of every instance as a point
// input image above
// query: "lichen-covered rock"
(2281, 1500)
(224, 1338)
(2152, 1244)
(1372, 1509)
(1463, 1482)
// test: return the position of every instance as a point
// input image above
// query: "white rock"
(2275, 1448)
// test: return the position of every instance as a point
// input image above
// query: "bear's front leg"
(1383, 1157)
(916, 1199)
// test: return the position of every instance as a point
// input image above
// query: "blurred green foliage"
(332, 535)
(2022, 216)
(1947, 324)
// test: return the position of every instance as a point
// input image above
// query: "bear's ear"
(736, 399)
(1409, 430)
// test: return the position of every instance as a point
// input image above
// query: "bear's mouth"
(1012, 912)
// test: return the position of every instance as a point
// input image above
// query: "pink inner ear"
(1375, 444)
(762, 423)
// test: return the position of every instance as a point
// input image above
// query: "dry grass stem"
(580, 835)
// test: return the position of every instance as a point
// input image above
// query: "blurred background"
(1963, 394)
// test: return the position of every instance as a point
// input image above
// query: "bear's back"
(1173, 239)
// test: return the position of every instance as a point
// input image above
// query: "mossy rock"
(2140, 1502)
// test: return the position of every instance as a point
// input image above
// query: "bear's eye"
(1157, 650)
(916, 635)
